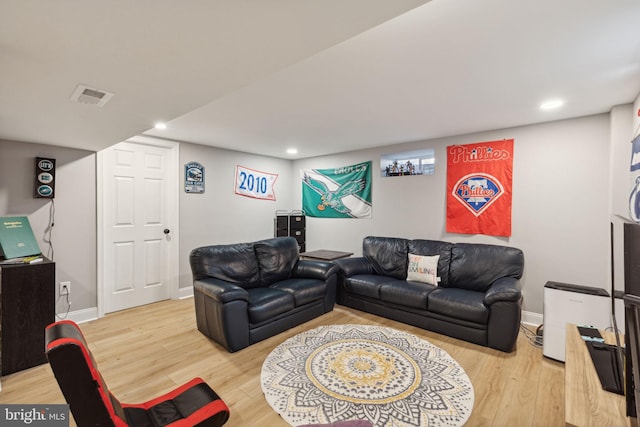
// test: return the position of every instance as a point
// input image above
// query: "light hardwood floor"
(147, 351)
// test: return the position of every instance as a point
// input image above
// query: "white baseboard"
(80, 316)
(186, 292)
(88, 314)
(531, 318)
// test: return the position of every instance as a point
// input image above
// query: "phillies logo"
(478, 191)
(464, 154)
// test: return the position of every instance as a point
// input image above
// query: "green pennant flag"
(343, 192)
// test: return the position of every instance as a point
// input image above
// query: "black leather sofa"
(478, 296)
(247, 292)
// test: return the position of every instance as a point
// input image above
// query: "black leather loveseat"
(475, 297)
(247, 292)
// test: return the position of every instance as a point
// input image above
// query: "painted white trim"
(100, 233)
(156, 142)
(80, 316)
(174, 218)
(89, 314)
(186, 292)
(531, 318)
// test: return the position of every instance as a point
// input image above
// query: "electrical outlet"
(65, 288)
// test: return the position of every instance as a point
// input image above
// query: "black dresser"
(27, 292)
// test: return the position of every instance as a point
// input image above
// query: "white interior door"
(138, 249)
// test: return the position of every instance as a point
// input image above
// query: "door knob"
(167, 231)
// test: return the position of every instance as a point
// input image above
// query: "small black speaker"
(45, 178)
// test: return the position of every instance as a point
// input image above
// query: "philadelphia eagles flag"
(343, 192)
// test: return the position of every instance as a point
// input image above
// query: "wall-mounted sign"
(193, 178)
(44, 183)
(255, 184)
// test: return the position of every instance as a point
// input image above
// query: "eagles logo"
(333, 199)
(477, 192)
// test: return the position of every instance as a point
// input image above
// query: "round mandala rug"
(354, 372)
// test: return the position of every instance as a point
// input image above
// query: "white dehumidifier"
(565, 303)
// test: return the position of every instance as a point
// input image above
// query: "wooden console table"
(586, 403)
(325, 255)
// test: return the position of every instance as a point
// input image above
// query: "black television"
(632, 315)
(632, 350)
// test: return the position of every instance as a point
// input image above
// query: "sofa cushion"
(266, 303)
(388, 255)
(276, 258)
(476, 266)
(367, 285)
(408, 294)
(459, 304)
(434, 247)
(234, 263)
(423, 269)
(304, 291)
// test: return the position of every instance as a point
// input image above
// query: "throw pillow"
(423, 269)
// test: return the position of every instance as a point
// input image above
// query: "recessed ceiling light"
(160, 126)
(552, 104)
(292, 151)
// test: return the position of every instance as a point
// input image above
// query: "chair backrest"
(84, 389)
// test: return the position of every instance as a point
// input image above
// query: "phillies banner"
(343, 192)
(479, 188)
(255, 184)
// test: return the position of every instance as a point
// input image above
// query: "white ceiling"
(323, 76)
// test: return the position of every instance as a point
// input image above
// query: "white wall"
(568, 176)
(219, 216)
(74, 232)
(560, 213)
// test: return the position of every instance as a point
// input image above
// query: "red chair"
(92, 404)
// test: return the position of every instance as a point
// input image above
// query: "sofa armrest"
(314, 269)
(222, 312)
(503, 289)
(354, 266)
(220, 290)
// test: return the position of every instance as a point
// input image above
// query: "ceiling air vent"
(89, 95)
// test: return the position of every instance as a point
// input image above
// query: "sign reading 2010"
(255, 184)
